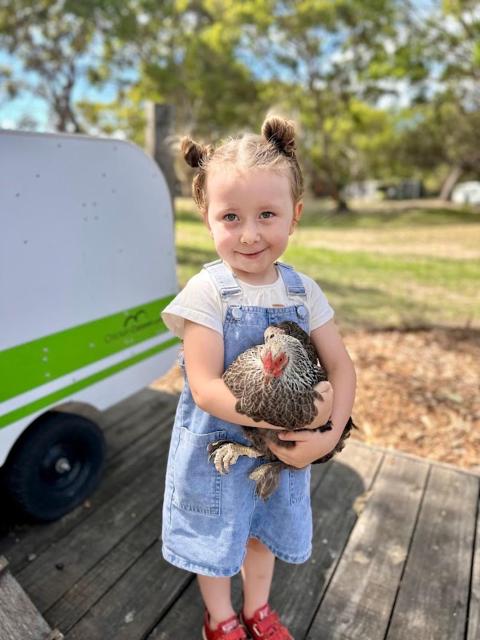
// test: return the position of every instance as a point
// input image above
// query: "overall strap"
(292, 281)
(222, 278)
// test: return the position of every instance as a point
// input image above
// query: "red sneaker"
(230, 629)
(265, 623)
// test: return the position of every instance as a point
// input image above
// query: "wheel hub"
(63, 465)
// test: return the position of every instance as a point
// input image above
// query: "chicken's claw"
(225, 453)
(266, 478)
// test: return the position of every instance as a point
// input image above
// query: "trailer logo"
(134, 323)
(135, 317)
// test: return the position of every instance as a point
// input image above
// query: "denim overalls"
(208, 517)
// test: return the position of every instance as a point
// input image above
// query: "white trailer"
(87, 263)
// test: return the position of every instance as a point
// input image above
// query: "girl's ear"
(297, 214)
(205, 220)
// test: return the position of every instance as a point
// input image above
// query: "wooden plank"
(185, 617)
(132, 607)
(433, 597)
(77, 553)
(336, 504)
(474, 604)
(361, 594)
(83, 595)
(412, 456)
(335, 489)
(158, 408)
(36, 538)
(3, 564)
(19, 619)
(129, 407)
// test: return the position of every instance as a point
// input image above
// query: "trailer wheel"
(55, 465)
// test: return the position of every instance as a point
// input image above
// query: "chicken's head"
(272, 331)
(278, 353)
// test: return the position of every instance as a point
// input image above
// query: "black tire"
(55, 465)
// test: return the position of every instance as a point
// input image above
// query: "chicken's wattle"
(274, 366)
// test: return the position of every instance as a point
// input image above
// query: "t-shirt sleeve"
(199, 302)
(320, 309)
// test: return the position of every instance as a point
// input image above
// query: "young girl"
(249, 192)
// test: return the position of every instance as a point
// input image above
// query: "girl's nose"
(249, 235)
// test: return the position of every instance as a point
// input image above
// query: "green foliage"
(223, 64)
(49, 39)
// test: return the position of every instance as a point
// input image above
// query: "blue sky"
(27, 105)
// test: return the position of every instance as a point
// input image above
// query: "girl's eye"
(230, 217)
(267, 214)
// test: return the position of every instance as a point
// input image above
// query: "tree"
(186, 54)
(441, 135)
(50, 41)
(317, 53)
(445, 126)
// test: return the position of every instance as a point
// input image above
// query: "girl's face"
(250, 216)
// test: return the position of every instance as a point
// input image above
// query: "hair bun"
(281, 133)
(194, 153)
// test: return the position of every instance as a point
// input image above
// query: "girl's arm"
(313, 445)
(204, 361)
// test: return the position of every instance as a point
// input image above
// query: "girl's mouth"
(251, 256)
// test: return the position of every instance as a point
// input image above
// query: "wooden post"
(19, 618)
(160, 126)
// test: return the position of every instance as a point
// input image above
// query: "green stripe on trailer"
(32, 364)
(54, 397)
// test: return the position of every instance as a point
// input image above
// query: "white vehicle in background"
(466, 193)
(87, 263)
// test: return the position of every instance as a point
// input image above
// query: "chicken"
(274, 382)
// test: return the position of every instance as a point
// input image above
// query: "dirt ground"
(418, 392)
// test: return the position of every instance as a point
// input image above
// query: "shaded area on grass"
(373, 308)
(193, 258)
(314, 215)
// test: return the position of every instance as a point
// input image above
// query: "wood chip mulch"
(418, 392)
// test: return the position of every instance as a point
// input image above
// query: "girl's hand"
(324, 405)
(309, 446)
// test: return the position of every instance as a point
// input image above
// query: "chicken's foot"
(226, 453)
(266, 478)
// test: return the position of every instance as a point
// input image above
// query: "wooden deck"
(396, 548)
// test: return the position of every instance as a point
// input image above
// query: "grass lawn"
(395, 265)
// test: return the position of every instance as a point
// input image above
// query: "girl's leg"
(216, 595)
(257, 573)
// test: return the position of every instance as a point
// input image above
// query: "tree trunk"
(450, 181)
(342, 205)
(160, 127)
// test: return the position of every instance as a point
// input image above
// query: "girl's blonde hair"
(273, 149)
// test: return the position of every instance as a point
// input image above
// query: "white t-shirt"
(200, 302)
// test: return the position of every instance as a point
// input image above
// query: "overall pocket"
(299, 484)
(197, 484)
